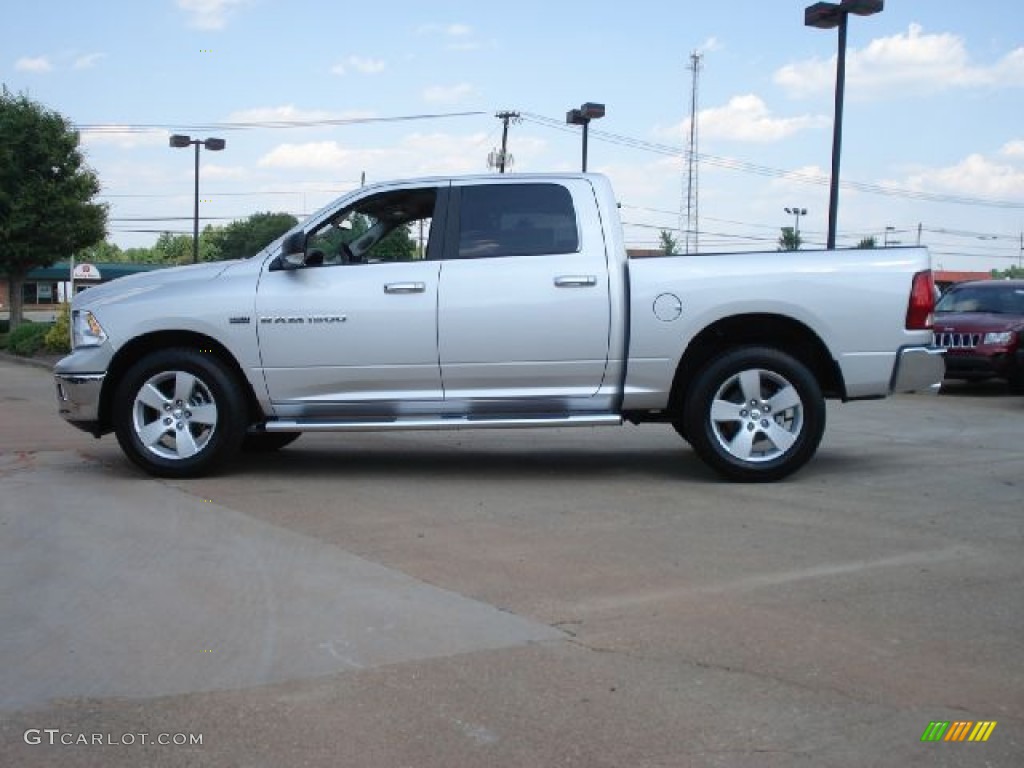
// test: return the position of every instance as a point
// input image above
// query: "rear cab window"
(497, 220)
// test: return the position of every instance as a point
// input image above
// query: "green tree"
(101, 253)
(789, 240)
(172, 249)
(46, 192)
(1012, 273)
(668, 243)
(868, 242)
(397, 246)
(246, 237)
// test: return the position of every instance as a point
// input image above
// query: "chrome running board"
(453, 422)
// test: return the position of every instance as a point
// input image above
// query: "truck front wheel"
(177, 413)
(755, 414)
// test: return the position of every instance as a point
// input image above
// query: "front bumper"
(974, 365)
(78, 398)
(918, 369)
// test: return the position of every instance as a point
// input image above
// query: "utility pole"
(503, 159)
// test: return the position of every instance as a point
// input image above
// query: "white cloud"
(805, 174)
(320, 155)
(416, 154)
(446, 30)
(88, 61)
(212, 171)
(459, 37)
(975, 175)
(1013, 148)
(288, 113)
(208, 14)
(33, 64)
(745, 118)
(317, 154)
(361, 64)
(440, 94)
(124, 138)
(914, 60)
(431, 153)
(710, 45)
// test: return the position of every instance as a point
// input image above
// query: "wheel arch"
(757, 329)
(134, 350)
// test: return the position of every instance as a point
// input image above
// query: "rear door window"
(516, 220)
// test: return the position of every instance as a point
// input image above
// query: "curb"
(29, 361)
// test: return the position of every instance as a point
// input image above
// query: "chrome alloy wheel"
(756, 415)
(174, 415)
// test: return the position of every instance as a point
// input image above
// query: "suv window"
(516, 220)
(387, 227)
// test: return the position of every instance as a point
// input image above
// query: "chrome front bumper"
(78, 397)
(919, 369)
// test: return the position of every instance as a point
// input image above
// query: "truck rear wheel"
(755, 414)
(177, 413)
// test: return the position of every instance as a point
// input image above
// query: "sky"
(313, 96)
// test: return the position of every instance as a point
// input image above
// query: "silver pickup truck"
(493, 302)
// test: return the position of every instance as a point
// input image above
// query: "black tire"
(266, 442)
(177, 413)
(1015, 383)
(762, 441)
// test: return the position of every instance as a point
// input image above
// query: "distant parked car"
(980, 325)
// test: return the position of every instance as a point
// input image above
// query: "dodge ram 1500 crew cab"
(497, 301)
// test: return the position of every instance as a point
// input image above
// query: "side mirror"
(293, 251)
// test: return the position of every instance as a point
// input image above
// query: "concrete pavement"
(572, 597)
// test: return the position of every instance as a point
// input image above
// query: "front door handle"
(575, 281)
(405, 287)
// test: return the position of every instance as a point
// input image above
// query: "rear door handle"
(405, 287)
(575, 281)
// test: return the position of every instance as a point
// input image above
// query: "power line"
(733, 164)
(254, 124)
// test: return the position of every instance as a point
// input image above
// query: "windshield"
(1008, 300)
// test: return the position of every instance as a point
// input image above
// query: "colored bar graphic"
(935, 731)
(958, 730)
(982, 731)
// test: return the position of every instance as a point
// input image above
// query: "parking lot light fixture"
(796, 212)
(179, 141)
(583, 116)
(829, 16)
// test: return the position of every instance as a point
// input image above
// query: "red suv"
(980, 325)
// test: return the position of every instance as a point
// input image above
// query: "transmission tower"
(691, 231)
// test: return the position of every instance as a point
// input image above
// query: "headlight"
(86, 330)
(1002, 337)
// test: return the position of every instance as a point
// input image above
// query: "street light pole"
(583, 116)
(195, 214)
(828, 16)
(797, 212)
(837, 135)
(214, 145)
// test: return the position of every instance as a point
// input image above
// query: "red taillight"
(922, 302)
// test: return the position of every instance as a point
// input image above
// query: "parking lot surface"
(590, 597)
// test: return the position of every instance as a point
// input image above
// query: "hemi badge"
(238, 320)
